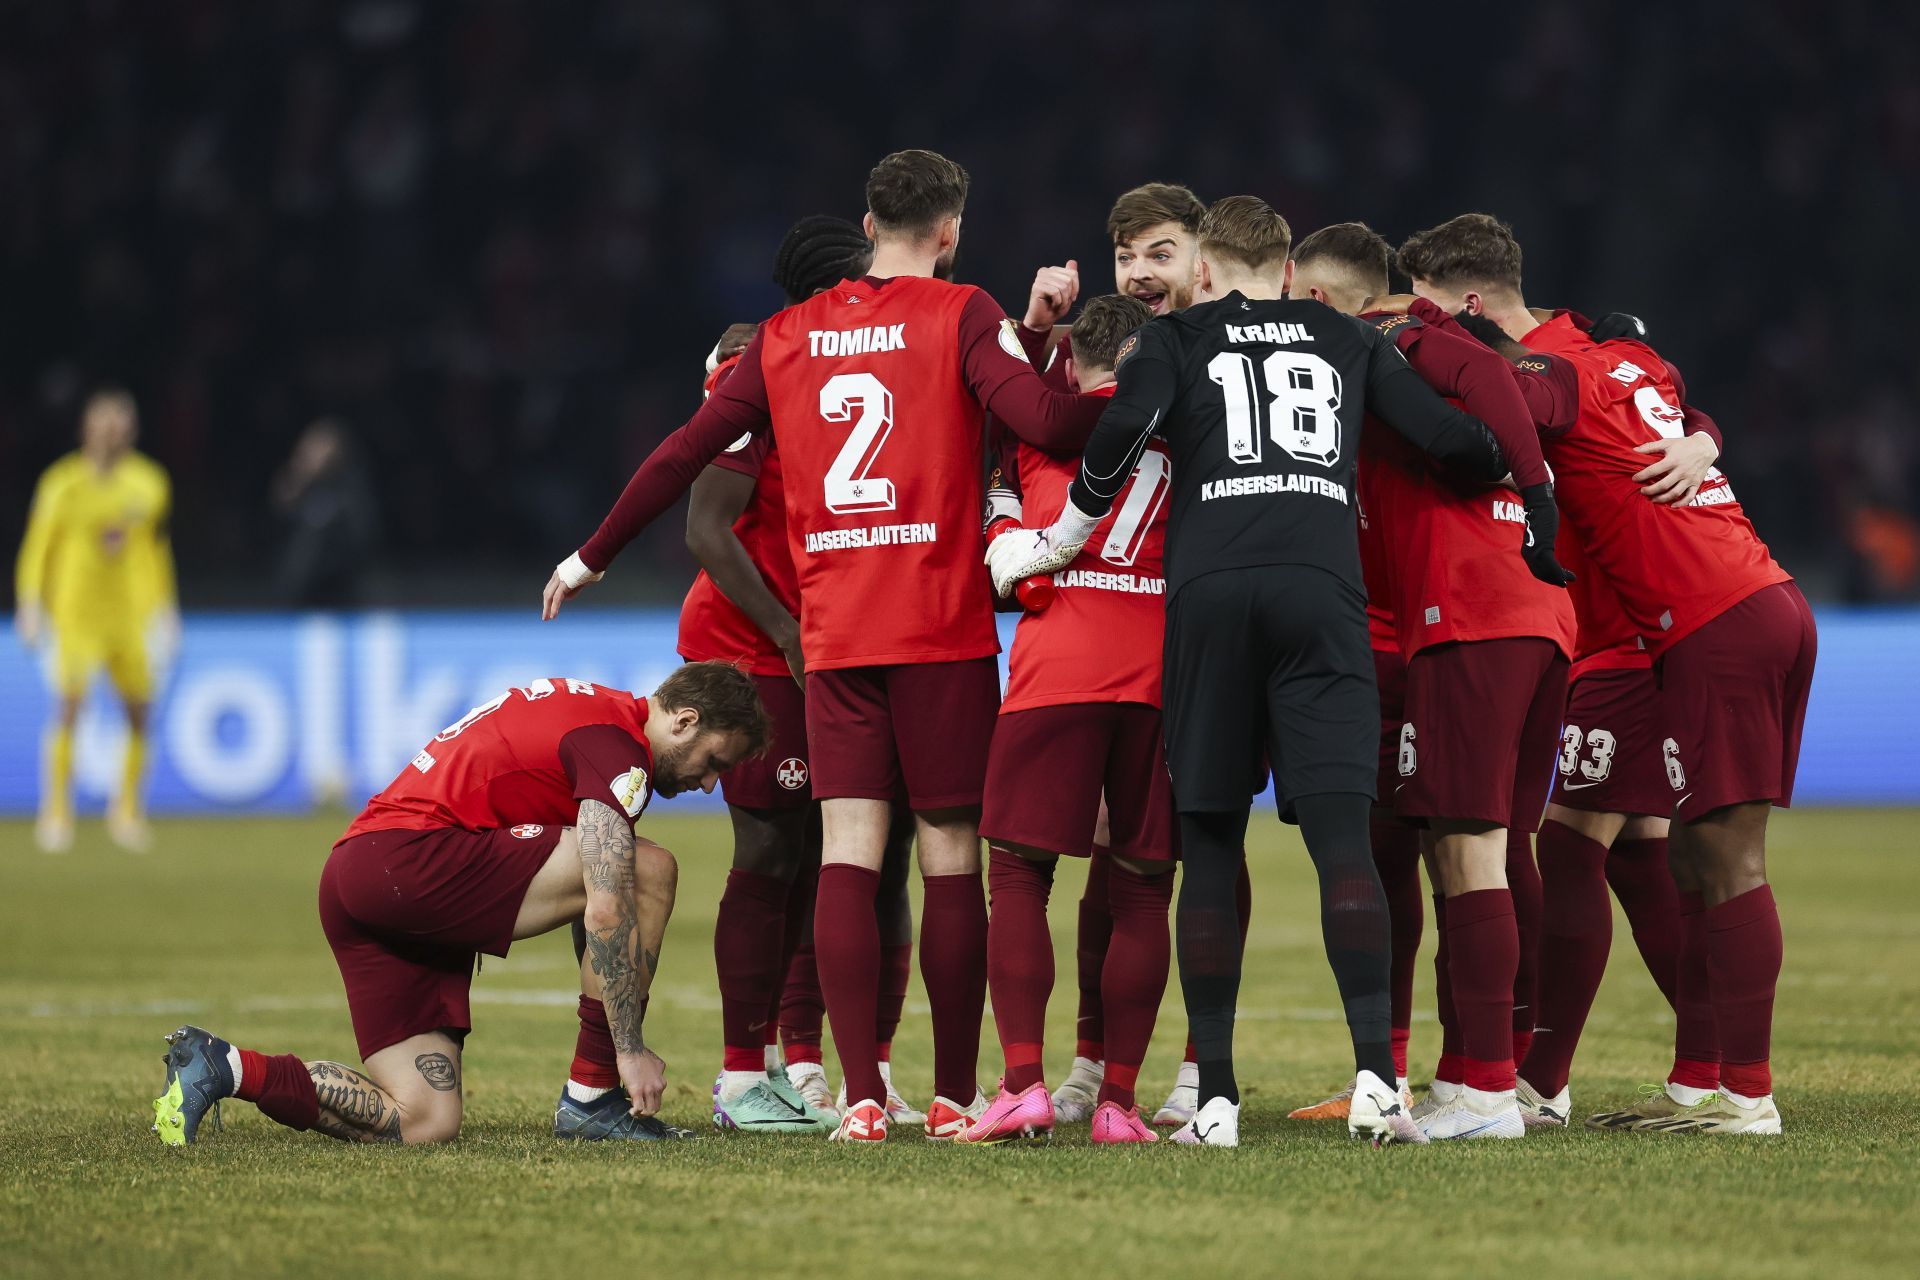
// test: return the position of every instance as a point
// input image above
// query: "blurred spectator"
(499, 236)
(323, 495)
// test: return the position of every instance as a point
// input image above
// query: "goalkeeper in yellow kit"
(95, 582)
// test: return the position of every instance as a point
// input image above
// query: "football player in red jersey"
(1091, 708)
(1486, 645)
(876, 392)
(743, 608)
(1731, 637)
(1153, 230)
(516, 820)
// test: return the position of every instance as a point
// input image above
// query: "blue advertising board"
(274, 713)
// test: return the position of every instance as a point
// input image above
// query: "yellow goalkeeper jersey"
(96, 554)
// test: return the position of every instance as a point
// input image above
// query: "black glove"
(1543, 530)
(1618, 324)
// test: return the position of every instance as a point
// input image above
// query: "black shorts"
(1276, 660)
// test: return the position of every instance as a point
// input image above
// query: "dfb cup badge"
(527, 830)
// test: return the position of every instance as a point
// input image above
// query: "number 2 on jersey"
(851, 485)
(1303, 409)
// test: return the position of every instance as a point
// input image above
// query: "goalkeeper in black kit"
(1260, 401)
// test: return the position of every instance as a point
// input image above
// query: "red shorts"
(406, 913)
(1610, 760)
(1390, 674)
(1733, 697)
(779, 778)
(923, 726)
(1049, 766)
(1481, 729)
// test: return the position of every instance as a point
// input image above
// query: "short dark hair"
(1102, 325)
(820, 251)
(1474, 248)
(725, 697)
(911, 191)
(1246, 229)
(1354, 247)
(1149, 206)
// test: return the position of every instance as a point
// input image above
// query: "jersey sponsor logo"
(1387, 324)
(1127, 348)
(1532, 366)
(858, 342)
(1271, 331)
(632, 790)
(526, 830)
(1244, 486)
(878, 535)
(1126, 583)
(1010, 342)
(792, 773)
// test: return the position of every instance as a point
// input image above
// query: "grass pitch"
(102, 953)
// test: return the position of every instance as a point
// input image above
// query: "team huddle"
(1447, 570)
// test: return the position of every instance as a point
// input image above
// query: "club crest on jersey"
(632, 790)
(1010, 340)
(526, 831)
(792, 773)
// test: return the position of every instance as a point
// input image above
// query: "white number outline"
(1146, 494)
(538, 689)
(850, 478)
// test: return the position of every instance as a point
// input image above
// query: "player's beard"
(667, 764)
(943, 266)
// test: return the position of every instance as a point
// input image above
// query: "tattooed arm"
(622, 930)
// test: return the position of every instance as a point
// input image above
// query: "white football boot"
(809, 1080)
(1439, 1094)
(1537, 1112)
(1379, 1112)
(1181, 1104)
(1074, 1101)
(1475, 1113)
(1215, 1125)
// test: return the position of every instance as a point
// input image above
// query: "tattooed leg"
(410, 1092)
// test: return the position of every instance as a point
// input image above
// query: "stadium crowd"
(489, 238)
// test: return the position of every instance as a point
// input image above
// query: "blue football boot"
(609, 1117)
(197, 1078)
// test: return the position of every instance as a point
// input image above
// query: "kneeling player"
(465, 854)
(1090, 708)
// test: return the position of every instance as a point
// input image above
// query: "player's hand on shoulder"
(1618, 324)
(568, 577)
(1019, 554)
(737, 338)
(1679, 469)
(644, 1076)
(1543, 532)
(1053, 294)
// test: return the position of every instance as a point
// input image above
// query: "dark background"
(496, 239)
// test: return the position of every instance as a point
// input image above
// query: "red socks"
(1396, 852)
(280, 1087)
(1523, 881)
(1451, 1068)
(1135, 975)
(1638, 872)
(594, 1062)
(846, 942)
(801, 1008)
(748, 934)
(1577, 932)
(953, 964)
(1696, 1034)
(1743, 958)
(1484, 943)
(1096, 931)
(1019, 963)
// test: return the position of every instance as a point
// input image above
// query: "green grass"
(102, 953)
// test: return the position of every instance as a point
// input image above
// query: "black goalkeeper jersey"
(1260, 403)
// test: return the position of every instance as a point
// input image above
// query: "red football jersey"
(1100, 639)
(882, 441)
(528, 757)
(712, 626)
(1453, 551)
(1374, 562)
(1674, 568)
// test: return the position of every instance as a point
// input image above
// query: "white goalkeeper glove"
(1019, 554)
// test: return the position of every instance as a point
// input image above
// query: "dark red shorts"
(407, 912)
(1049, 766)
(924, 726)
(1481, 730)
(1733, 697)
(1610, 759)
(782, 777)
(1390, 673)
